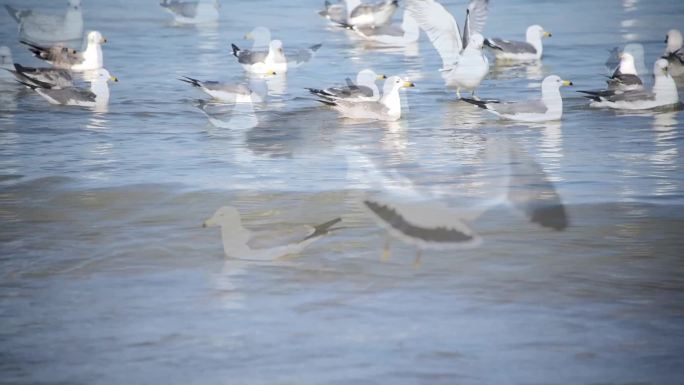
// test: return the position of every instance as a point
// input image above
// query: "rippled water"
(107, 276)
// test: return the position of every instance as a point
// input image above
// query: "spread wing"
(440, 26)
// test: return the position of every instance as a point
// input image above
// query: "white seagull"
(674, 53)
(530, 49)
(364, 90)
(663, 93)
(48, 28)
(230, 92)
(549, 107)
(464, 65)
(388, 108)
(192, 12)
(236, 238)
(63, 57)
(273, 61)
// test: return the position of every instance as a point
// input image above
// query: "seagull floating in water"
(530, 49)
(48, 28)
(464, 65)
(364, 90)
(549, 107)
(96, 96)
(663, 93)
(674, 53)
(230, 92)
(388, 108)
(274, 60)
(63, 57)
(236, 237)
(192, 12)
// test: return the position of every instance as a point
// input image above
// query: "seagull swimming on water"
(663, 93)
(464, 65)
(97, 95)
(549, 107)
(49, 28)
(364, 90)
(388, 108)
(530, 49)
(236, 237)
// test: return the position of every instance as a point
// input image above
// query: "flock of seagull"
(464, 66)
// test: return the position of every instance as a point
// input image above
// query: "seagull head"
(395, 83)
(673, 40)
(276, 46)
(536, 32)
(96, 37)
(627, 64)
(476, 41)
(224, 216)
(554, 82)
(660, 67)
(75, 4)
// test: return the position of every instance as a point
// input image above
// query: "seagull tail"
(190, 80)
(479, 103)
(31, 86)
(37, 50)
(489, 43)
(344, 25)
(327, 102)
(323, 228)
(319, 93)
(595, 95)
(236, 50)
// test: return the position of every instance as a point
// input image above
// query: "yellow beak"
(409, 84)
(114, 79)
(567, 83)
(547, 34)
(381, 77)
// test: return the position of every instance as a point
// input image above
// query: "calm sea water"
(108, 278)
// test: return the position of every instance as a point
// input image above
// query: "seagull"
(274, 60)
(625, 77)
(464, 65)
(230, 92)
(97, 95)
(388, 108)
(192, 12)
(389, 35)
(550, 107)
(440, 216)
(674, 53)
(370, 15)
(63, 57)
(236, 238)
(663, 93)
(531, 49)
(45, 27)
(55, 77)
(365, 89)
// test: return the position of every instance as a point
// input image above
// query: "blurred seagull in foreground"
(48, 28)
(388, 108)
(549, 107)
(663, 93)
(55, 77)
(389, 35)
(439, 217)
(364, 90)
(370, 15)
(230, 92)
(236, 238)
(63, 57)
(192, 12)
(674, 53)
(464, 65)
(97, 95)
(531, 49)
